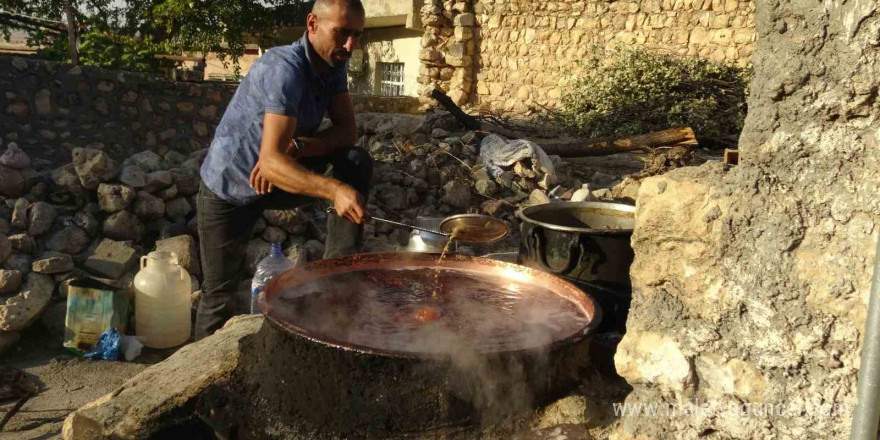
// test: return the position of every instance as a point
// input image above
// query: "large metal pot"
(587, 243)
(581, 241)
(328, 381)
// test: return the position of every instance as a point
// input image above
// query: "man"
(266, 153)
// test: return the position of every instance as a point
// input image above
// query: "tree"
(125, 34)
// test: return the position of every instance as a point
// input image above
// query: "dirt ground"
(66, 382)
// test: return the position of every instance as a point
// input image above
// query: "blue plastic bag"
(107, 347)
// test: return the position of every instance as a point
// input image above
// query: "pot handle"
(537, 252)
(143, 262)
(175, 261)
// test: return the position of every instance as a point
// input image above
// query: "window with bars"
(390, 79)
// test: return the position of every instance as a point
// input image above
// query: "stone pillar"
(750, 283)
(447, 54)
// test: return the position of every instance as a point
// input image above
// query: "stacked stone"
(52, 107)
(385, 104)
(86, 218)
(529, 51)
(434, 72)
(95, 218)
(448, 50)
(461, 54)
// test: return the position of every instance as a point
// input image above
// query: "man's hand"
(258, 182)
(349, 204)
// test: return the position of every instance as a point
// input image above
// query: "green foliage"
(125, 34)
(103, 49)
(633, 91)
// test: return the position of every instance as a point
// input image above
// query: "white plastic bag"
(497, 152)
(131, 347)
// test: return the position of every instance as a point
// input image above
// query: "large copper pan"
(308, 380)
(317, 270)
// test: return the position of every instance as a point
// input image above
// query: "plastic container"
(268, 268)
(163, 301)
(92, 308)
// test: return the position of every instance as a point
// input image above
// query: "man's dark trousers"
(225, 229)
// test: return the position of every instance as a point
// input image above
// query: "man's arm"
(343, 133)
(283, 171)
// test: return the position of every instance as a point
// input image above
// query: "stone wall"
(751, 282)
(521, 54)
(448, 50)
(385, 104)
(50, 108)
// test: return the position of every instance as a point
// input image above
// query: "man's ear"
(312, 23)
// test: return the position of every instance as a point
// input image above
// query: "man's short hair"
(322, 6)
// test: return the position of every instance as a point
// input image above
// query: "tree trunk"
(71, 32)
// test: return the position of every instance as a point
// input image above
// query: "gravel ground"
(66, 383)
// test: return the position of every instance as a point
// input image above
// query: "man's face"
(335, 33)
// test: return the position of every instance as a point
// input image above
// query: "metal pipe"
(867, 412)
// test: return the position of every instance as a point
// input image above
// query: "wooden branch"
(14, 409)
(683, 136)
(470, 122)
(506, 132)
(178, 58)
(467, 120)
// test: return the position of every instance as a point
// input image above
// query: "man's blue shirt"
(283, 81)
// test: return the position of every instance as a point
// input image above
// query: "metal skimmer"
(468, 228)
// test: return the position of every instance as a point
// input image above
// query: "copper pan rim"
(403, 260)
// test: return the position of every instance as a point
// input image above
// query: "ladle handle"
(410, 226)
(331, 209)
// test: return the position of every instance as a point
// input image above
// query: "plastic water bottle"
(268, 268)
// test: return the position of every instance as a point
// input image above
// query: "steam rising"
(377, 310)
(479, 317)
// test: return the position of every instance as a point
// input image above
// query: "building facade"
(515, 55)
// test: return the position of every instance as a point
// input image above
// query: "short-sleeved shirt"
(282, 81)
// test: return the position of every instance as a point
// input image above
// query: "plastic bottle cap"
(276, 249)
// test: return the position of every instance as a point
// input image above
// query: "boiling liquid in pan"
(475, 311)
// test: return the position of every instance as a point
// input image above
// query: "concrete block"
(111, 259)
(184, 246)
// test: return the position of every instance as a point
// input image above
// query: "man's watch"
(298, 147)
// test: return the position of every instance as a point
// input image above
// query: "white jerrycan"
(162, 301)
